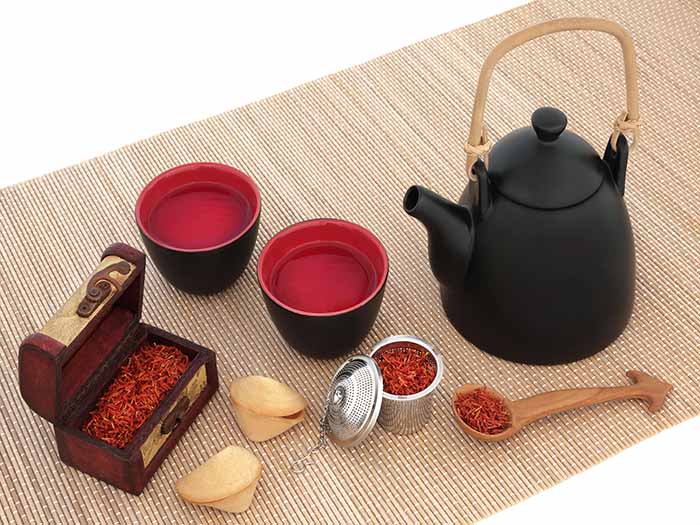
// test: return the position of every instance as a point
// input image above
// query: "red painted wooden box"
(65, 368)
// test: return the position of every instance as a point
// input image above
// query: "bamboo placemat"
(348, 146)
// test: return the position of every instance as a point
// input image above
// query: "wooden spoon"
(525, 411)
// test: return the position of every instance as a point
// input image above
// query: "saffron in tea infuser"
(140, 384)
(405, 370)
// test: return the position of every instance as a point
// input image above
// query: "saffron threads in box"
(139, 386)
(483, 412)
(405, 370)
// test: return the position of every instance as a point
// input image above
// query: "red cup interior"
(198, 207)
(323, 267)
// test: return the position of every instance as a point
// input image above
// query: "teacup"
(199, 223)
(323, 282)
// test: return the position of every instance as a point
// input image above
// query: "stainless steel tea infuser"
(356, 401)
(408, 414)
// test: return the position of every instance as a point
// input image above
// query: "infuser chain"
(299, 465)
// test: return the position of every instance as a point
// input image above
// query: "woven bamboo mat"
(348, 146)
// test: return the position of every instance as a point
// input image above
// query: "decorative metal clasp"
(172, 420)
(99, 287)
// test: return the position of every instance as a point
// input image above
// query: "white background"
(80, 79)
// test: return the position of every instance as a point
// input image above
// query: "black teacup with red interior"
(323, 282)
(199, 223)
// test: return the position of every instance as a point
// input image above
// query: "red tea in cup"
(199, 215)
(199, 223)
(321, 277)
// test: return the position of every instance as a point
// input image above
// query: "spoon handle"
(645, 387)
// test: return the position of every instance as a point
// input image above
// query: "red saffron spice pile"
(483, 412)
(140, 384)
(405, 370)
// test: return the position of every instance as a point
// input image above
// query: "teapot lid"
(546, 166)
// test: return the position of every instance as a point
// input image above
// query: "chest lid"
(85, 339)
(546, 166)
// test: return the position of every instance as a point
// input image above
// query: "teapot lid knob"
(548, 123)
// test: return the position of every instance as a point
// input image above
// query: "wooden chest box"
(66, 366)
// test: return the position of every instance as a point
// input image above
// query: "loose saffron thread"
(140, 384)
(405, 370)
(483, 412)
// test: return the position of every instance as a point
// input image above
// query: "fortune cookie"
(264, 408)
(226, 481)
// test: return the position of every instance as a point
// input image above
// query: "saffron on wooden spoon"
(482, 411)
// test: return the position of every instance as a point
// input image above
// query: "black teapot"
(536, 262)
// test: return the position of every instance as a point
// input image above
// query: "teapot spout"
(450, 233)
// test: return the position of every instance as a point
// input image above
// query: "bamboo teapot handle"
(478, 144)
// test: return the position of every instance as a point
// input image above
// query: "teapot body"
(536, 262)
(546, 286)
